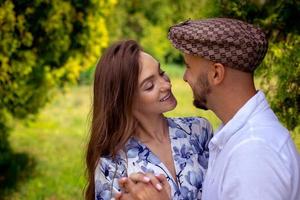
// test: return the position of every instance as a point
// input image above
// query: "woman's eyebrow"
(150, 77)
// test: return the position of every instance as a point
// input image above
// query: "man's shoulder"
(270, 141)
(270, 132)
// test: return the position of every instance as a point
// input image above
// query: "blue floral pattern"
(189, 141)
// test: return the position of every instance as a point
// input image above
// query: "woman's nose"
(165, 85)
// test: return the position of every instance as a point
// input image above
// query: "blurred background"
(48, 52)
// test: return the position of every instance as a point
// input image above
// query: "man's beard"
(201, 90)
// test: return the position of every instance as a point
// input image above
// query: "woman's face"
(154, 95)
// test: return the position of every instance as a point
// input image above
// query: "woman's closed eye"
(149, 86)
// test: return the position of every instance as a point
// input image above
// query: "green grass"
(57, 139)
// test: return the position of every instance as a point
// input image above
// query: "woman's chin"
(172, 104)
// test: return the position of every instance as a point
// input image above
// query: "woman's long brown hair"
(115, 84)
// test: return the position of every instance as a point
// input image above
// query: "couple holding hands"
(135, 152)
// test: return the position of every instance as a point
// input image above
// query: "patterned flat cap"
(232, 42)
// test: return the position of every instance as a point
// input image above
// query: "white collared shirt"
(253, 157)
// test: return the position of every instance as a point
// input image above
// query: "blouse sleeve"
(208, 132)
(204, 132)
(106, 178)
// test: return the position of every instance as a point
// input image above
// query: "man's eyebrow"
(149, 77)
(186, 64)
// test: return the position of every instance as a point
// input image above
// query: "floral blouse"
(189, 143)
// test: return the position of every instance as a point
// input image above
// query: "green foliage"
(277, 17)
(56, 138)
(87, 76)
(44, 44)
(281, 80)
(148, 22)
(280, 70)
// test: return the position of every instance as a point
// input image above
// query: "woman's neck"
(152, 129)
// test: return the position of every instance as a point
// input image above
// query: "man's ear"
(217, 73)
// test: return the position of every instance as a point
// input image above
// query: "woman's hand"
(141, 186)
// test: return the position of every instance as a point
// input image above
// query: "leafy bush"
(44, 44)
(148, 23)
(280, 75)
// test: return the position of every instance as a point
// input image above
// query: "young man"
(252, 156)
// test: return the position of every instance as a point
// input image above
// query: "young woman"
(130, 134)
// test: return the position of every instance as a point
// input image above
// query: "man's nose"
(184, 76)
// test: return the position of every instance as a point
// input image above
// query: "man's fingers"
(125, 197)
(139, 177)
(141, 190)
(122, 182)
(155, 182)
(146, 178)
(165, 183)
(161, 178)
(117, 195)
(126, 184)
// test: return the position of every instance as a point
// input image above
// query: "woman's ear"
(217, 73)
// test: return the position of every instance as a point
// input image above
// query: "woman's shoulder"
(107, 173)
(191, 125)
(111, 167)
(188, 121)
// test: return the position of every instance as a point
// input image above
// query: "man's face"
(196, 75)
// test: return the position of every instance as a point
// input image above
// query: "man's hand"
(143, 187)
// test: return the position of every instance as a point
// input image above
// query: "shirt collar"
(255, 104)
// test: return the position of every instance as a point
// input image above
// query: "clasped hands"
(140, 186)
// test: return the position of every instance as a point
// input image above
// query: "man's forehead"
(187, 58)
